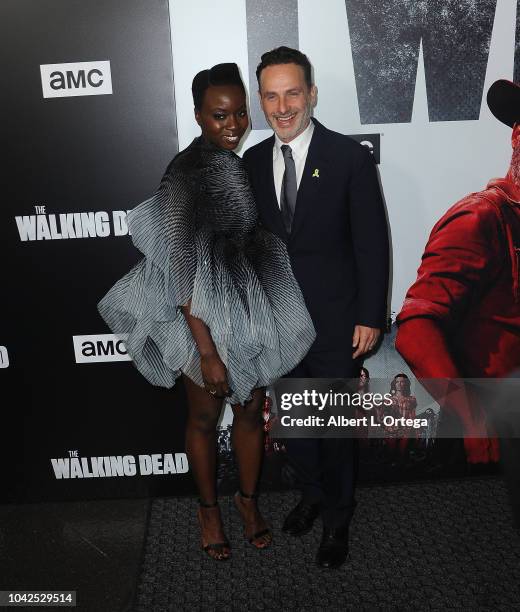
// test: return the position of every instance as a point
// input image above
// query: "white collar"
(300, 144)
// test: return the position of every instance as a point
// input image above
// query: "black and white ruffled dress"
(200, 238)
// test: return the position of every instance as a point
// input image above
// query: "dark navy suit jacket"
(338, 245)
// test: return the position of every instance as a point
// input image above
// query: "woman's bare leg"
(248, 444)
(203, 414)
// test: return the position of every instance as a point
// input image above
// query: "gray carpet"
(434, 545)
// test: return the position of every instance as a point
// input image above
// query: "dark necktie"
(289, 188)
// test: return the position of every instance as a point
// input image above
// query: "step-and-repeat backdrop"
(97, 100)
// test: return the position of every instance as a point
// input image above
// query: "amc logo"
(100, 348)
(372, 142)
(76, 79)
(4, 357)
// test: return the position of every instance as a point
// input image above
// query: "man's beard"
(298, 129)
(515, 166)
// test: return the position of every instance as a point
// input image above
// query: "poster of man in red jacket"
(461, 317)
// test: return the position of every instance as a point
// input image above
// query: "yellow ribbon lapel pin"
(316, 173)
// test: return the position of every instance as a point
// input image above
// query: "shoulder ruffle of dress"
(200, 240)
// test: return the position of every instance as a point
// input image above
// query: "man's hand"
(364, 339)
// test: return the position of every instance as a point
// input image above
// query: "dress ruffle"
(200, 239)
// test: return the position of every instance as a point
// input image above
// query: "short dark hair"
(220, 74)
(285, 55)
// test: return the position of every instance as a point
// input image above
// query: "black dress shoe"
(301, 518)
(333, 550)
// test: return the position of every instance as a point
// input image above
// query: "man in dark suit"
(318, 191)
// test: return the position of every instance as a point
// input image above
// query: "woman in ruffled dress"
(213, 299)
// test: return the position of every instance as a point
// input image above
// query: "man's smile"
(284, 121)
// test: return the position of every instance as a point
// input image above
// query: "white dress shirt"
(300, 148)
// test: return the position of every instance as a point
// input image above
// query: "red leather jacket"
(469, 281)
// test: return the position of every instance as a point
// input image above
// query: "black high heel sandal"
(257, 534)
(217, 547)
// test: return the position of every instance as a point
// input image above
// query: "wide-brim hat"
(503, 99)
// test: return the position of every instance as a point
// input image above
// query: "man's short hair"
(285, 55)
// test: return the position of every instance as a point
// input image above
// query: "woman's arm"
(213, 369)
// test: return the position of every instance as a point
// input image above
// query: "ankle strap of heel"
(204, 504)
(246, 496)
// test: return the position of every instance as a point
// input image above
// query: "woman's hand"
(214, 375)
(214, 372)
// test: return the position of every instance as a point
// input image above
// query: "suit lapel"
(315, 167)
